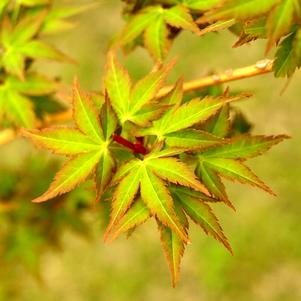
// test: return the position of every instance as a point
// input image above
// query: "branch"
(261, 67)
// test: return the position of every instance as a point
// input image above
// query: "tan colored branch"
(261, 67)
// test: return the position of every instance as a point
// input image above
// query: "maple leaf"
(153, 22)
(281, 19)
(239, 9)
(87, 144)
(288, 56)
(134, 103)
(15, 103)
(227, 160)
(20, 42)
(151, 175)
(57, 18)
(173, 245)
(183, 116)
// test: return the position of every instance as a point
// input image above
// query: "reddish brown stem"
(137, 148)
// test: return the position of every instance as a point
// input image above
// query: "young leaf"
(108, 120)
(118, 86)
(193, 193)
(192, 139)
(34, 85)
(56, 19)
(236, 170)
(203, 216)
(104, 171)
(86, 145)
(219, 124)
(157, 198)
(156, 39)
(191, 113)
(124, 170)
(239, 9)
(20, 42)
(123, 197)
(281, 19)
(16, 108)
(71, 175)
(297, 47)
(39, 49)
(178, 16)
(148, 113)
(244, 147)
(213, 183)
(286, 62)
(152, 21)
(173, 245)
(138, 23)
(176, 172)
(135, 216)
(146, 89)
(85, 115)
(62, 141)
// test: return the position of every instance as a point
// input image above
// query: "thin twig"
(261, 67)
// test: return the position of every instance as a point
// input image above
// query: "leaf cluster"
(161, 158)
(277, 21)
(23, 26)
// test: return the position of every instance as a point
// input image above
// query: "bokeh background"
(265, 232)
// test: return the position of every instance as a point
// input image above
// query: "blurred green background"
(265, 232)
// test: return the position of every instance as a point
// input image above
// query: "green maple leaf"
(153, 22)
(288, 56)
(20, 43)
(87, 144)
(15, 103)
(281, 19)
(57, 19)
(136, 103)
(226, 160)
(151, 175)
(183, 116)
(240, 9)
(173, 245)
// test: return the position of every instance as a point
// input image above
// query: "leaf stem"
(137, 148)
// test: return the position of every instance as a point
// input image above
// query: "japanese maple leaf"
(20, 42)
(151, 175)
(227, 159)
(87, 144)
(15, 103)
(134, 103)
(153, 22)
